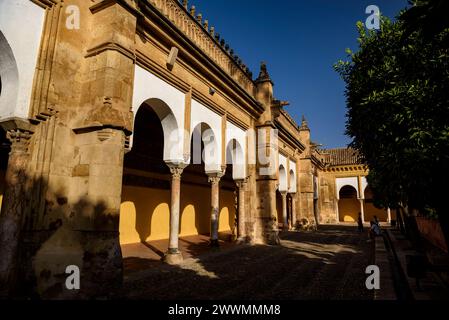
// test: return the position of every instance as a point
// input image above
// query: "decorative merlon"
(208, 41)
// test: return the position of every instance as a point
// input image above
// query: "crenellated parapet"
(199, 31)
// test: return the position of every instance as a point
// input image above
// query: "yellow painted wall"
(145, 213)
(370, 211)
(280, 218)
(227, 211)
(348, 209)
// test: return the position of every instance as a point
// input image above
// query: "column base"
(214, 243)
(272, 238)
(173, 257)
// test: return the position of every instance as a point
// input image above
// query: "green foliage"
(397, 92)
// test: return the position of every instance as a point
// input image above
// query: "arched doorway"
(195, 187)
(145, 213)
(235, 171)
(348, 204)
(370, 210)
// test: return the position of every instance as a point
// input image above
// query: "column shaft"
(337, 212)
(241, 210)
(13, 206)
(362, 209)
(215, 210)
(284, 210)
(293, 223)
(173, 256)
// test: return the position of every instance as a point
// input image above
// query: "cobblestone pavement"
(327, 264)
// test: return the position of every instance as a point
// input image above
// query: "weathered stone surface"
(64, 184)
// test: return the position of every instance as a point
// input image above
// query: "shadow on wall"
(370, 210)
(227, 220)
(280, 218)
(145, 213)
(79, 232)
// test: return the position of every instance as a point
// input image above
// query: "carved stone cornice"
(15, 123)
(45, 3)
(197, 33)
(105, 46)
(347, 168)
(106, 117)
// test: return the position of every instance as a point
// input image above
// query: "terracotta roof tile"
(341, 156)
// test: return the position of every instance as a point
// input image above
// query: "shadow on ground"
(326, 264)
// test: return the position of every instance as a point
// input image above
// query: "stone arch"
(210, 154)
(282, 179)
(168, 103)
(9, 78)
(348, 204)
(236, 157)
(348, 181)
(144, 213)
(173, 146)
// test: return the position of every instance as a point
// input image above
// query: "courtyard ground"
(327, 264)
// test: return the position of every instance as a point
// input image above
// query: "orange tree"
(397, 95)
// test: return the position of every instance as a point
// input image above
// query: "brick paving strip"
(327, 264)
(385, 261)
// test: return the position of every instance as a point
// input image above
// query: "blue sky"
(300, 41)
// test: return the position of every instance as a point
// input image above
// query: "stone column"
(337, 211)
(214, 179)
(388, 215)
(13, 206)
(284, 210)
(241, 184)
(293, 222)
(174, 256)
(362, 209)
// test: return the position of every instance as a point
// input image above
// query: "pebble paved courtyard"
(326, 264)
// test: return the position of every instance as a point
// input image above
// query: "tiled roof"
(341, 156)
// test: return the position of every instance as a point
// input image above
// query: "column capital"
(176, 169)
(215, 177)
(240, 183)
(20, 140)
(283, 193)
(19, 132)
